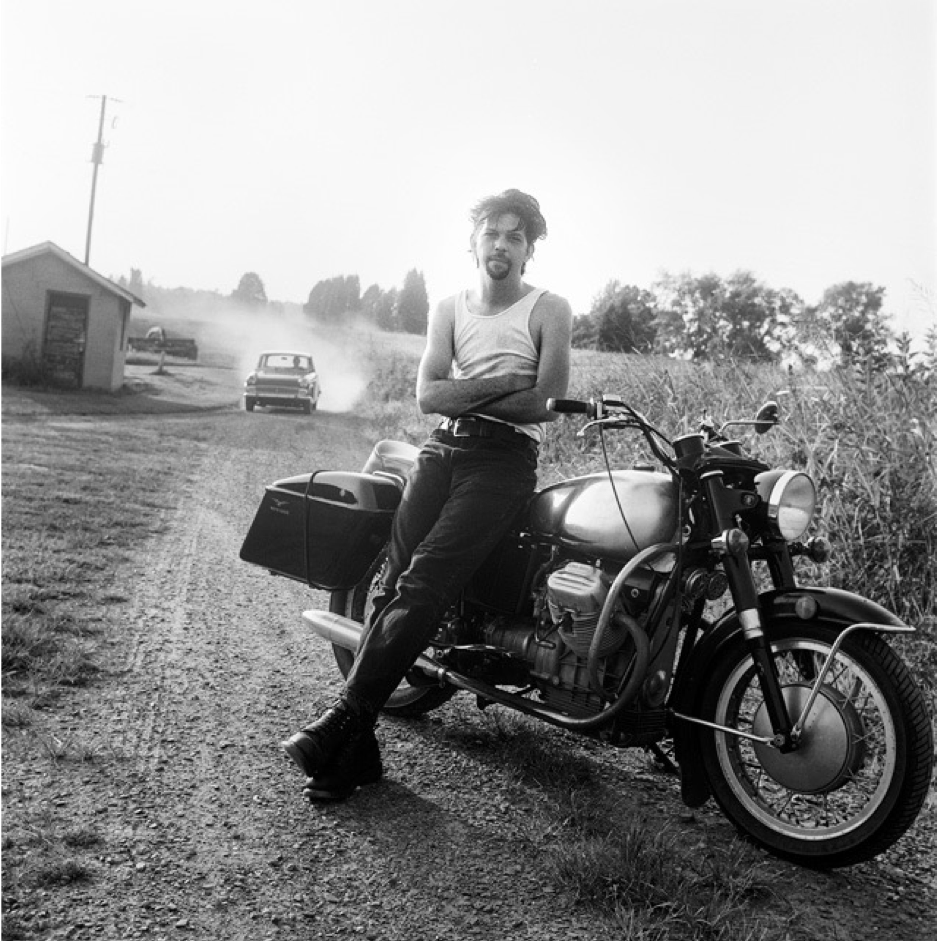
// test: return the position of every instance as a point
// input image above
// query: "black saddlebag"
(323, 528)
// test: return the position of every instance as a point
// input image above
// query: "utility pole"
(97, 156)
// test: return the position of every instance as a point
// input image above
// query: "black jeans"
(461, 499)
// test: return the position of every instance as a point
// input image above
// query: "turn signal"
(819, 549)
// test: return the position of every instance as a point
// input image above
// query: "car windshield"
(286, 363)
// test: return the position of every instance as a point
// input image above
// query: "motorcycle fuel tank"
(582, 513)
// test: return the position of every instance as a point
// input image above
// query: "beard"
(498, 268)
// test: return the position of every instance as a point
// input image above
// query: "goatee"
(498, 268)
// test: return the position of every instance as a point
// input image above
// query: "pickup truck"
(158, 341)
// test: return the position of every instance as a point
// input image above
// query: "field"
(134, 641)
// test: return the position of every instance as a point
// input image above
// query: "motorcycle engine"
(576, 594)
(569, 605)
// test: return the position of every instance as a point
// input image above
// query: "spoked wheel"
(407, 699)
(861, 772)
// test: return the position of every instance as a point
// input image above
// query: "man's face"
(501, 245)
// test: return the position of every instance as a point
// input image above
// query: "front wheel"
(407, 699)
(862, 769)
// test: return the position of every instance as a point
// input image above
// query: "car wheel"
(249, 404)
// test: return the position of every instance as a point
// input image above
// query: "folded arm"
(516, 398)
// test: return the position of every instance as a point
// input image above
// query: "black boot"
(317, 745)
(356, 764)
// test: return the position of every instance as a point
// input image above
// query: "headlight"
(251, 379)
(790, 498)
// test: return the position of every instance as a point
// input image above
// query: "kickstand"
(663, 759)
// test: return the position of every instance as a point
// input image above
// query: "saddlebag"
(323, 528)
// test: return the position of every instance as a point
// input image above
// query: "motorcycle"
(653, 607)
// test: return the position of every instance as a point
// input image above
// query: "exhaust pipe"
(344, 632)
(336, 629)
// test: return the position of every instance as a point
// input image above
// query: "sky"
(301, 140)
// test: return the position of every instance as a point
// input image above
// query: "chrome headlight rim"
(791, 503)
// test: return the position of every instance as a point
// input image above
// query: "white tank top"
(497, 345)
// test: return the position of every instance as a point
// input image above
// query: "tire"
(406, 700)
(249, 404)
(307, 407)
(863, 768)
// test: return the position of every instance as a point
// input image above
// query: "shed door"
(63, 352)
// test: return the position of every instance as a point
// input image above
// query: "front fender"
(833, 605)
(778, 608)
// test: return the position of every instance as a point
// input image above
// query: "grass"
(77, 502)
(646, 882)
(653, 881)
(71, 514)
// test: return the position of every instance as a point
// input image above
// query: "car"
(285, 379)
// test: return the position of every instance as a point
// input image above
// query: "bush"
(25, 370)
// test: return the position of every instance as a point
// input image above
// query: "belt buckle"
(456, 428)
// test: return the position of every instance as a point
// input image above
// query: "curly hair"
(524, 206)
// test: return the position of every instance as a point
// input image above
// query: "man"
(494, 355)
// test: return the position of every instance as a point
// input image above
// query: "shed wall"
(26, 288)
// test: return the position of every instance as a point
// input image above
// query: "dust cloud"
(236, 338)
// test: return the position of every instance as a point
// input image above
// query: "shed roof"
(50, 248)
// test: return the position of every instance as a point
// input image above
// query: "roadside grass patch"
(653, 881)
(77, 496)
(17, 714)
(39, 648)
(645, 880)
(61, 872)
(73, 747)
(82, 837)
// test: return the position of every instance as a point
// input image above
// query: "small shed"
(70, 320)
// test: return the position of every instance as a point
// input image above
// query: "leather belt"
(474, 427)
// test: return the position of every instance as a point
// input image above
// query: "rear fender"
(779, 608)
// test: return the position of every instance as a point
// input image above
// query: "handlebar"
(568, 406)
(604, 411)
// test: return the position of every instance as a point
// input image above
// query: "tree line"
(696, 317)
(404, 310)
(702, 317)
(330, 302)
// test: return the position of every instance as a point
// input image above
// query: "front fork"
(738, 570)
(732, 545)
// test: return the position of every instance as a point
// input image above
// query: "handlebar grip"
(568, 406)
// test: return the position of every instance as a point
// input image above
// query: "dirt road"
(203, 833)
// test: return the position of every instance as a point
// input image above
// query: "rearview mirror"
(767, 417)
